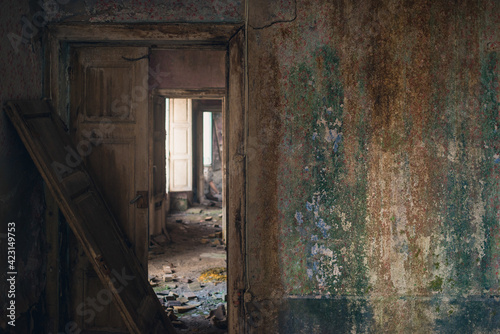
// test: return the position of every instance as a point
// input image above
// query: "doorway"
(188, 259)
(62, 38)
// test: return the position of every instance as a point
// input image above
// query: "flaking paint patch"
(325, 215)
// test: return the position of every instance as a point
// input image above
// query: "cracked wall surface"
(375, 187)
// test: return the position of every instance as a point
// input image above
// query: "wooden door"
(181, 146)
(158, 206)
(121, 277)
(109, 127)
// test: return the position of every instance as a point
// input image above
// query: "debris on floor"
(213, 275)
(188, 273)
(218, 317)
(195, 286)
(160, 240)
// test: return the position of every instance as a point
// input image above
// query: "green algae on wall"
(490, 172)
(324, 224)
(402, 216)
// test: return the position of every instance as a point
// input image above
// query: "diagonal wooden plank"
(88, 216)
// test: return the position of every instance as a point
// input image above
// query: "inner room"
(187, 260)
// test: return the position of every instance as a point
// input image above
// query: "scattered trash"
(184, 280)
(218, 317)
(168, 277)
(173, 303)
(196, 286)
(171, 315)
(189, 295)
(214, 275)
(153, 280)
(183, 300)
(170, 297)
(182, 309)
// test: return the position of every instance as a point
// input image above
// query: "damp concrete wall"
(374, 167)
(372, 156)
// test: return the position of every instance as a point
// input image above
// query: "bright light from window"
(207, 138)
(167, 144)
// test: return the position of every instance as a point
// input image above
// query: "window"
(207, 138)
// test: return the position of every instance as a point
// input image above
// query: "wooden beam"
(206, 93)
(89, 217)
(52, 235)
(235, 187)
(186, 32)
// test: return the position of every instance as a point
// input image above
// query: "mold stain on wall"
(324, 228)
(389, 165)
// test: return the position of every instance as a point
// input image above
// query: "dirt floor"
(176, 267)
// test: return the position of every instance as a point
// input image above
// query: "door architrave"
(58, 39)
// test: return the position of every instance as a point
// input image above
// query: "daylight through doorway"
(188, 263)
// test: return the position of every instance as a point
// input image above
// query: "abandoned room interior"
(250, 166)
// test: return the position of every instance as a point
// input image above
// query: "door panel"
(111, 113)
(158, 207)
(114, 274)
(181, 152)
(109, 127)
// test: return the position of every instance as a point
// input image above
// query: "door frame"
(60, 37)
(205, 94)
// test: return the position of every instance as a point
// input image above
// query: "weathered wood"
(91, 220)
(208, 93)
(53, 283)
(181, 145)
(109, 126)
(235, 188)
(198, 115)
(142, 32)
(157, 165)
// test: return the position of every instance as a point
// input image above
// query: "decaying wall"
(21, 187)
(374, 167)
(372, 159)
